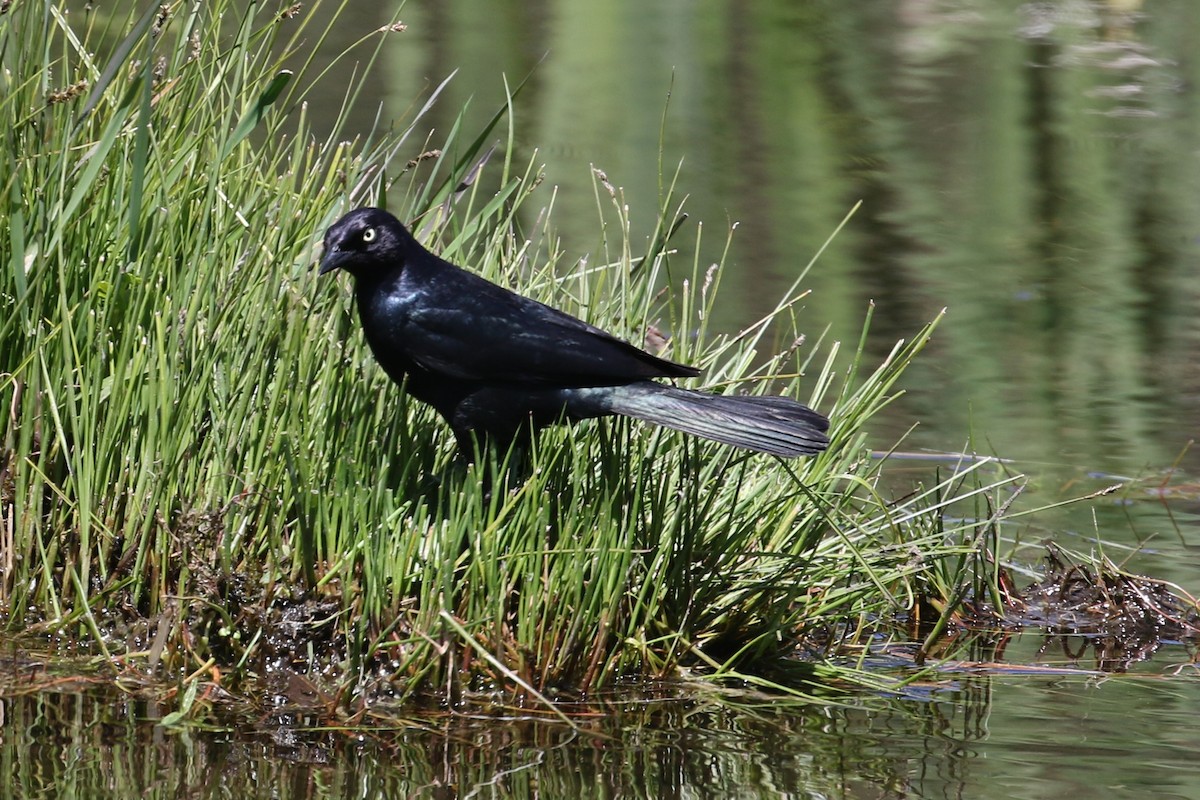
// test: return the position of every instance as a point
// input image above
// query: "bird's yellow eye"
(368, 235)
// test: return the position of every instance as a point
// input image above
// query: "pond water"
(1047, 736)
(1032, 167)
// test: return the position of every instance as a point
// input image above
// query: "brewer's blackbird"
(498, 366)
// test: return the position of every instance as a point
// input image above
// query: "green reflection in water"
(86, 745)
(987, 738)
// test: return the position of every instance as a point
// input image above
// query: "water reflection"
(89, 744)
(990, 737)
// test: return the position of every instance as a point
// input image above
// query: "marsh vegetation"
(209, 487)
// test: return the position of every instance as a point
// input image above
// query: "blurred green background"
(1032, 167)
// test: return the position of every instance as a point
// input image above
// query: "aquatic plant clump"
(204, 477)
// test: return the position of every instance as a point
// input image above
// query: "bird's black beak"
(332, 260)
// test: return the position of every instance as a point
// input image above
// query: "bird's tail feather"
(777, 425)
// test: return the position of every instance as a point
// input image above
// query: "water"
(979, 737)
(1032, 167)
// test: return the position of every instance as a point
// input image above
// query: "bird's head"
(364, 241)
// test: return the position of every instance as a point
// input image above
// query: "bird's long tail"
(776, 425)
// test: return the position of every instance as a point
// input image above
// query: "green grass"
(202, 466)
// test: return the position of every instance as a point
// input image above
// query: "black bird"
(497, 365)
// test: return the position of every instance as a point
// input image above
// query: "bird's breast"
(385, 312)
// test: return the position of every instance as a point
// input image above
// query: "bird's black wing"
(465, 327)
